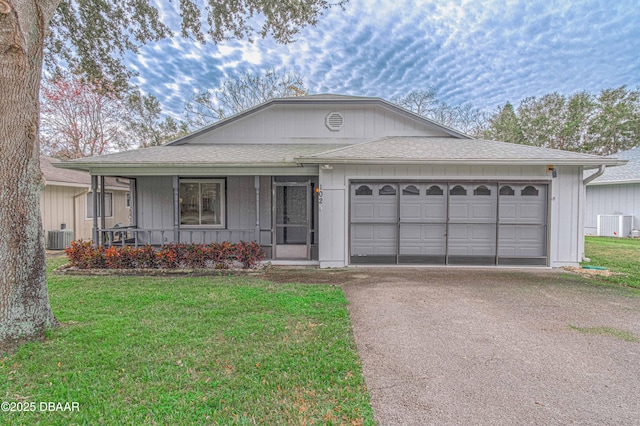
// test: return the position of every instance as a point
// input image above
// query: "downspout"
(76, 225)
(586, 181)
(596, 175)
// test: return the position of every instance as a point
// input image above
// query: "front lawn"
(618, 255)
(222, 350)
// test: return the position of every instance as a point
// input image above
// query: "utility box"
(59, 240)
(614, 225)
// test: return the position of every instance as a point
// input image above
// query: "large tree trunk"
(25, 312)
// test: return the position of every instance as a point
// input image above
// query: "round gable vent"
(334, 121)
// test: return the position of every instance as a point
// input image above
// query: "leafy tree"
(91, 37)
(145, 124)
(504, 126)
(238, 94)
(615, 126)
(80, 119)
(602, 124)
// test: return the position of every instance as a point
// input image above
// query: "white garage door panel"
(522, 241)
(362, 211)
(422, 239)
(472, 239)
(410, 211)
(386, 212)
(373, 239)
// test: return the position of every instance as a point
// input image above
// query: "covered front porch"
(280, 212)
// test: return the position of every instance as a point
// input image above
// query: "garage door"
(374, 222)
(460, 223)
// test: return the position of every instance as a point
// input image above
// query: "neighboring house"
(615, 193)
(341, 180)
(67, 202)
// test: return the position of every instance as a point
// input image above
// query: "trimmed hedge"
(83, 255)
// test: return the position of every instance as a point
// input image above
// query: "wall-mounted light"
(553, 171)
(326, 167)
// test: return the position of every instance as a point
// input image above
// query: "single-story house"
(344, 180)
(66, 204)
(615, 197)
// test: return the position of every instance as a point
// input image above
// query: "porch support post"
(94, 194)
(257, 185)
(103, 220)
(176, 210)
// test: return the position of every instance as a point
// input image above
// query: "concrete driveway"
(482, 346)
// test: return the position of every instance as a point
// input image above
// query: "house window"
(387, 190)
(507, 190)
(458, 190)
(202, 203)
(411, 190)
(108, 204)
(482, 190)
(435, 190)
(529, 190)
(364, 190)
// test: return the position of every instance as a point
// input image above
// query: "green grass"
(620, 255)
(607, 331)
(221, 350)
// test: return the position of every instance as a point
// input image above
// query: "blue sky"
(482, 52)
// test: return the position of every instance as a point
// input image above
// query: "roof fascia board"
(290, 169)
(466, 162)
(67, 184)
(614, 182)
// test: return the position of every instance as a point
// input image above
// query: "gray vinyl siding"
(623, 199)
(307, 123)
(155, 206)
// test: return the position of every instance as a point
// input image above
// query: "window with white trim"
(202, 202)
(108, 204)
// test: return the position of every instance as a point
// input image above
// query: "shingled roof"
(57, 176)
(629, 173)
(430, 150)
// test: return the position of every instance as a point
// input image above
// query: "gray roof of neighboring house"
(629, 173)
(54, 175)
(450, 150)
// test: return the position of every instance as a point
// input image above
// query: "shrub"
(167, 257)
(83, 255)
(249, 254)
(195, 255)
(146, 257)
(222, 254)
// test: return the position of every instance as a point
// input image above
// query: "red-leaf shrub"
(249, 254)
(222, 254)
(83, 255)
(167, 258)
(195, 255)
(146, 257)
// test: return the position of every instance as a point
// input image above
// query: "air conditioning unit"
(614, 225)
(59, 240)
